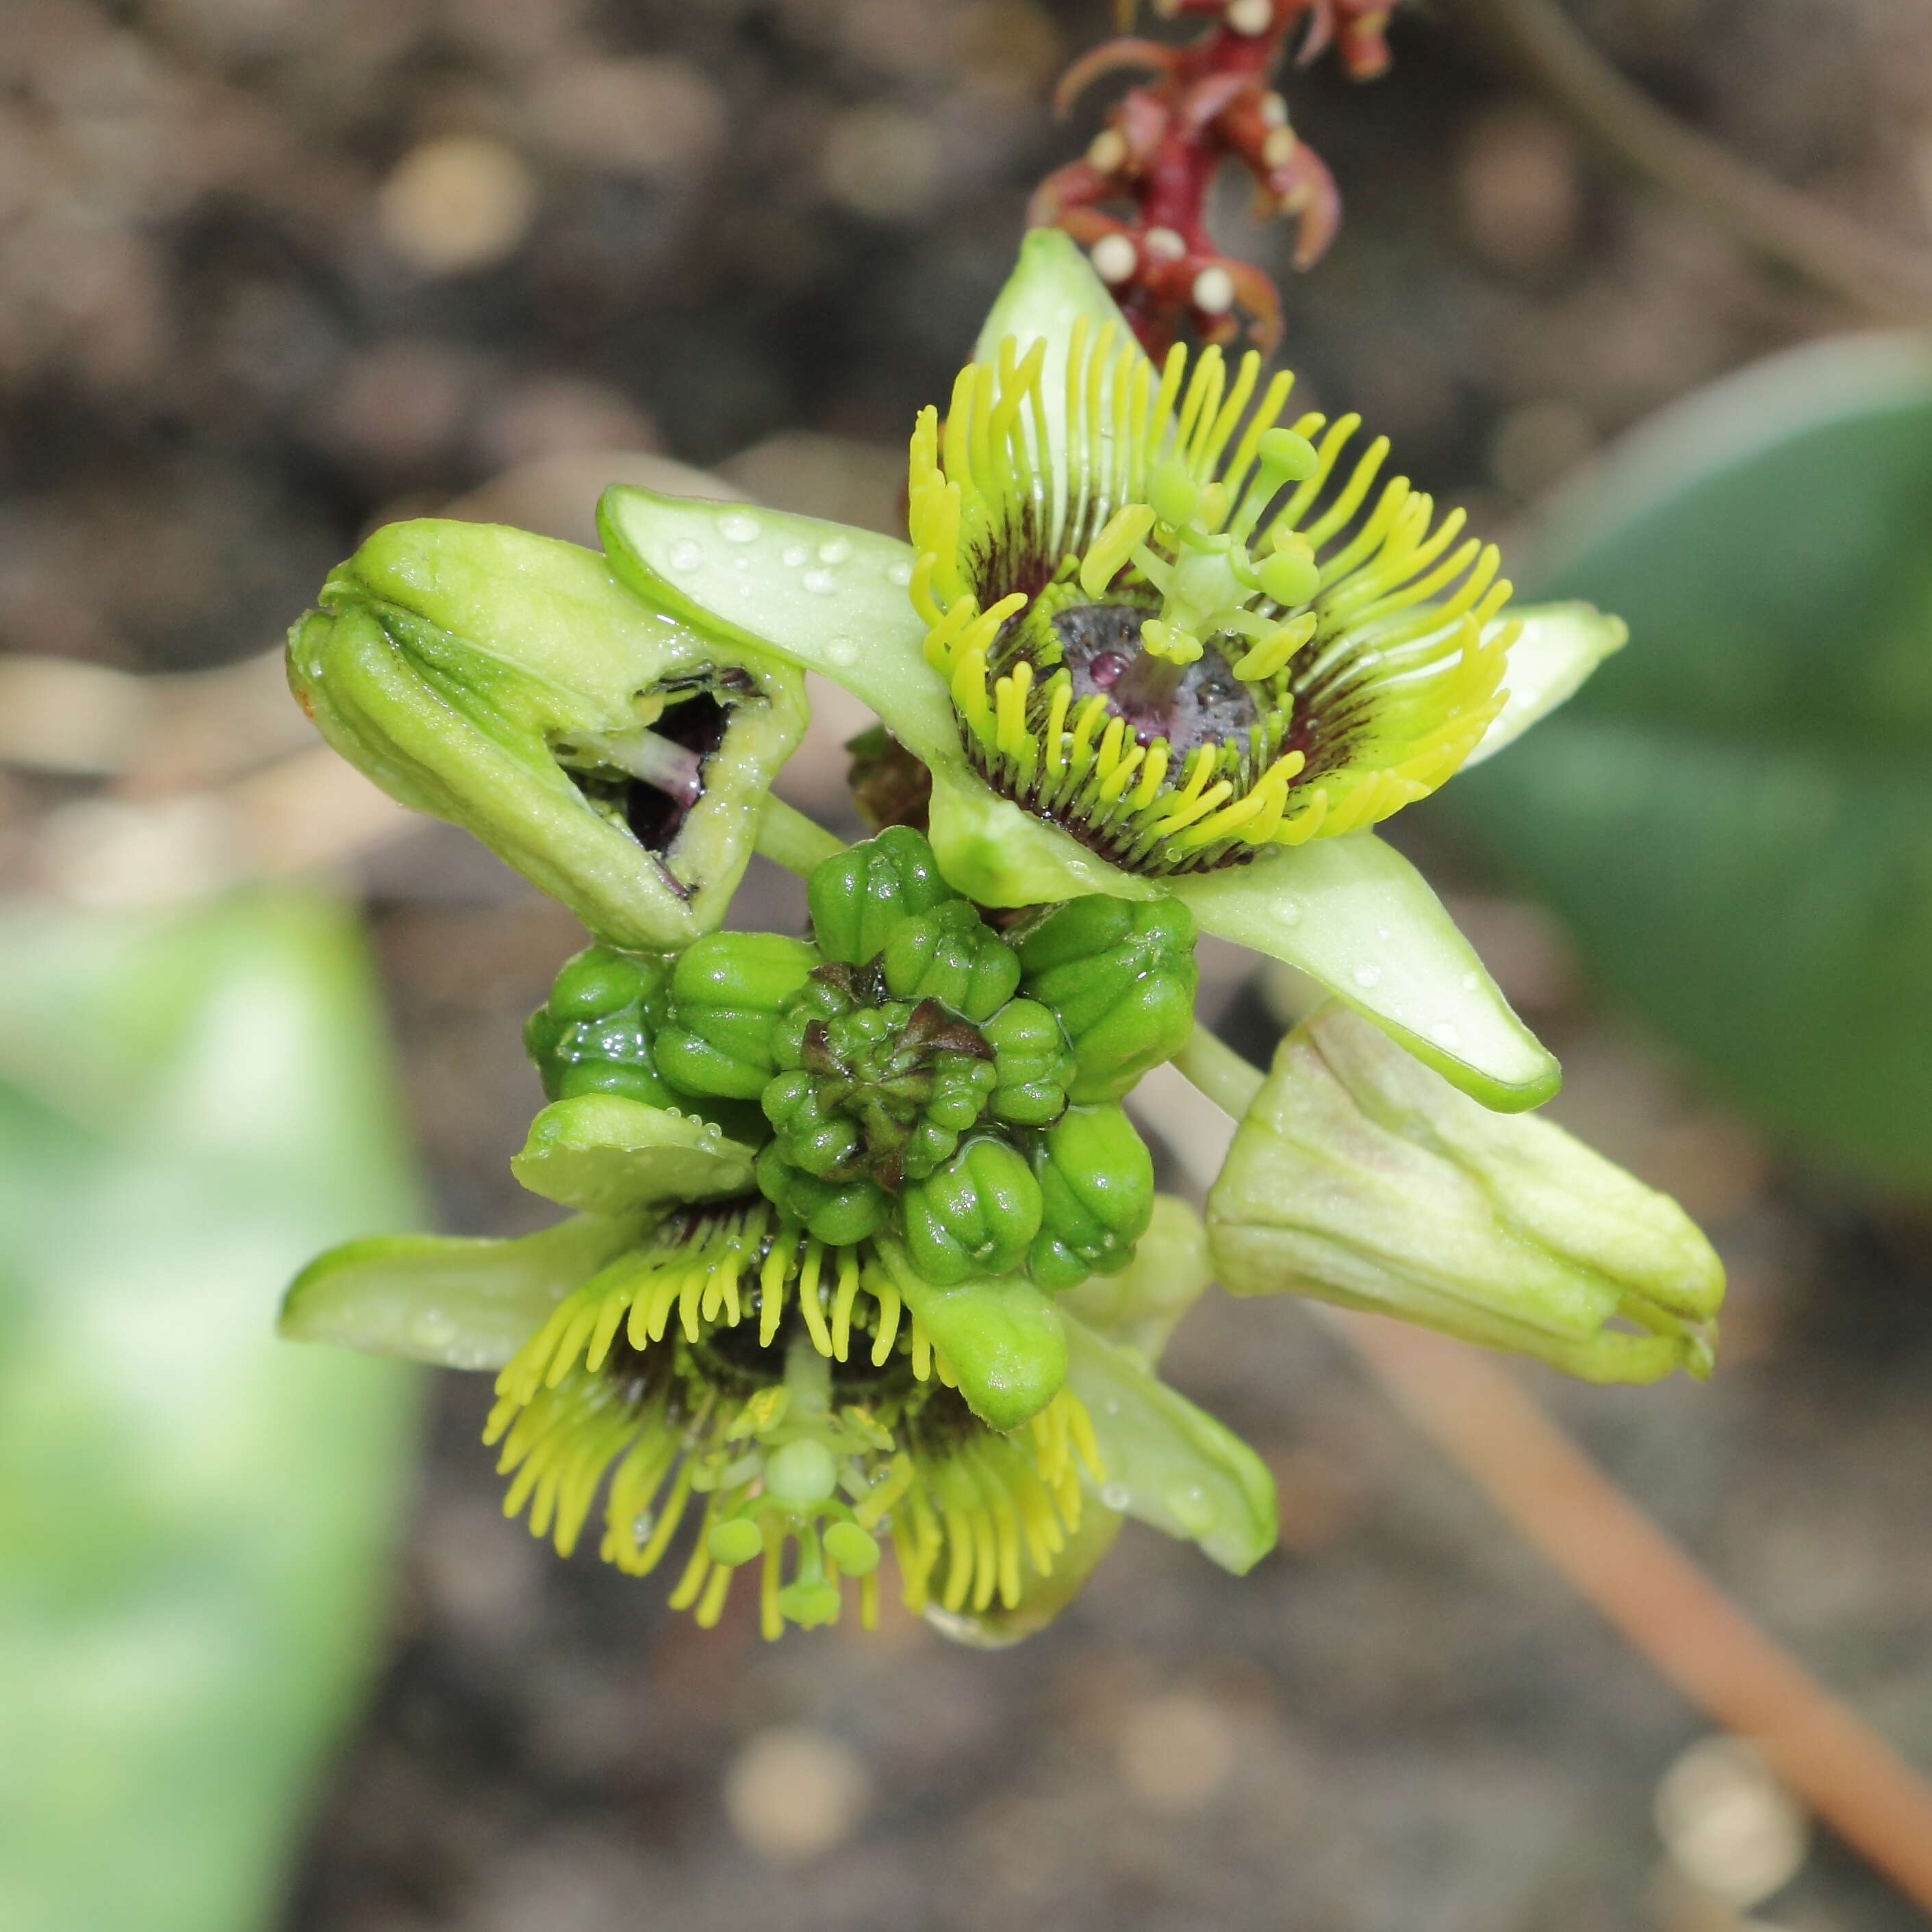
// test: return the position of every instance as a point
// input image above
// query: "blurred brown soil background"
(273, 271)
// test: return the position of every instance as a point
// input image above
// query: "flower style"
(1153, 645)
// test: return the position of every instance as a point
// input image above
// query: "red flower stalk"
(1164, 142)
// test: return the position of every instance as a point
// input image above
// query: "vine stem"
(788, 838)
(1639, 1579)
(1838, 252)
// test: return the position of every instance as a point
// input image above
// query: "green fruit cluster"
(912, 1071)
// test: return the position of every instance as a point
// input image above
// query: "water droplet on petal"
(685, 555)
(842, 651)
(1288, 913)
(821, 583)
(899, 573)
(1470, 981)
(432, 1328)
(1367, 976)
(741, 563)
(1116, 1495)
(642, 1524)
(1189, 1505)
(1446, 1035)
(735, 526)
(1111, 1405)
(794, 555)
(834, 550)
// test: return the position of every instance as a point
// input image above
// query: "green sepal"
(726, 991)
(858, 897)
(1358, 1176)
(450, 661)
(974, 1215)
(1121, 979)
(1359, 919)
(1169, 1464)
(1002, 1338)
(457, 1303)
(1096, 1191)
(1137, 1308)
(602, 1154)
(1557, 647)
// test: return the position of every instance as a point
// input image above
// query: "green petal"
(449, 660)
(460, 1304)
(1558, 646)
(1042, 1598)
(1137, 1309)
(1360, 1177)
(1002, 1339)
(1355, 915)
(602, 1154)
(1169, 1463)
(993, 852)
(1052, 287)
(834, 599)
(827, 596)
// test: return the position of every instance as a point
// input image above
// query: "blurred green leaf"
(194, 1516)
(1735, 815)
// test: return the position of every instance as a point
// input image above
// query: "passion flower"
(1151, 642)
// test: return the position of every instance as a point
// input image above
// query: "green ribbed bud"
(878, 1088)
(1096, 1187)
(974, 1217)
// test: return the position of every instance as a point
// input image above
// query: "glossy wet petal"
(1557, 648)
(457, 1304)
(1356, 916)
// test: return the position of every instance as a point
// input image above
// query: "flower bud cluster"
(911, 1072)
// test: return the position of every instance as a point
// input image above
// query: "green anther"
(726, 990)
(859, 896)
(1289, 577)
(734, 1542)
(1032, 1066)
(949, 954)
(975, 1215)
(1292, 457)
(808, 1605)
(1174, 492)
(801, 1475)
(1121, 978)
(853, 1553)
(1096, 1187)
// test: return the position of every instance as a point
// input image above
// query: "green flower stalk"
(1154, 643)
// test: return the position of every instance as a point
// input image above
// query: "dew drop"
(685, 555)
(1446, 1035)
(1367, 976)
(794, 555)
(745, 590)
(1381, 932)
(741, 563)
(1189, 1505)
(735, 526)
(834, 550)
(820, 583)
(1112, 1405)
(1288, 913)
(432, 1328)
(1470, 981)
(642, 1524)
(1116, 1495)
(842, 651)
(899, 573)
